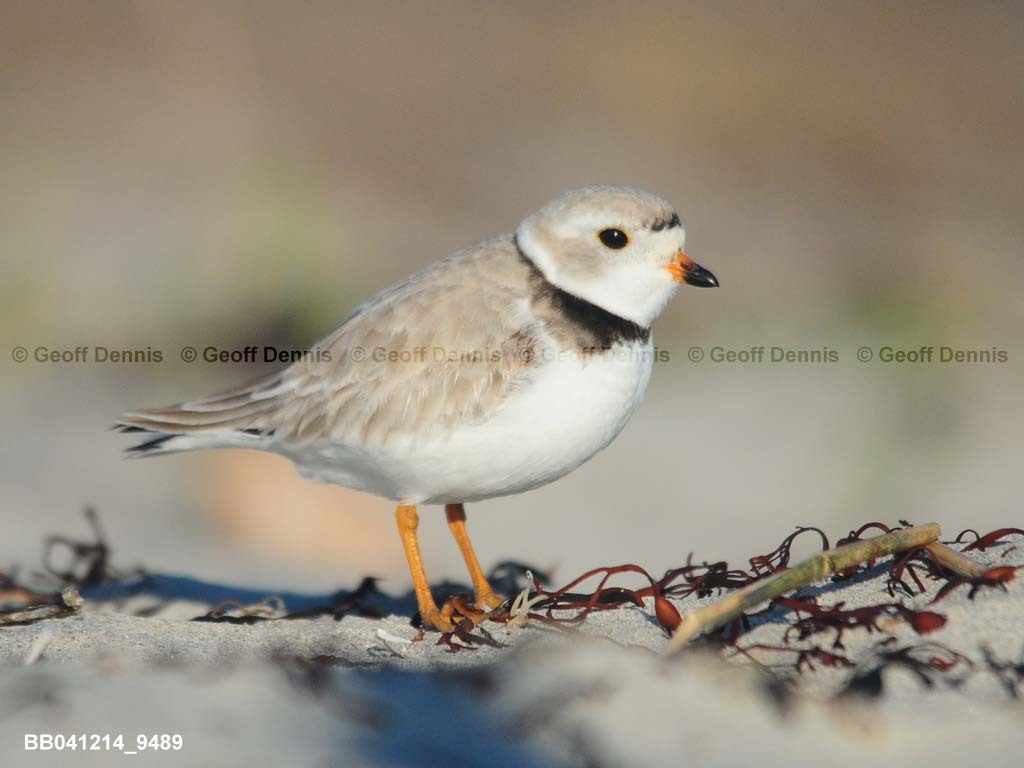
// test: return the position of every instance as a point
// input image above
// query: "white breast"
(572, 408)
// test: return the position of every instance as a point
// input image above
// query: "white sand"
(247, 694)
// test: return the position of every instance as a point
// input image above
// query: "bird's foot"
(486, 599)
(463, 607)
(438, 618)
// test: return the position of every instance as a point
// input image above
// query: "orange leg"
(485, 597)
(408, 522)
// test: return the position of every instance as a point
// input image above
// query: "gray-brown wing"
(444, 348)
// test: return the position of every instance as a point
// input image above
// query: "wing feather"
(440, 350)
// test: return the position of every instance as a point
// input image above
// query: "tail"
(240, 417)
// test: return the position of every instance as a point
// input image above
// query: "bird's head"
(620, 248)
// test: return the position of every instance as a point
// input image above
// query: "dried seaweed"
(14, 595)
(908, 574)
(984, 542)
(993, 577)
(817, 619)
(919, 563)
(273, 608)
(67, 602)
(1009, 673)
(462, 637)
(928, 662)
(703, 580)
(707, 579)
(56, 592)
(87, 563)
(804, 658)
(234, 612)
(345, 604)
(808, 640)
(810, 570)
(914, 572)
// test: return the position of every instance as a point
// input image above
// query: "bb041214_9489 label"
(104, 742)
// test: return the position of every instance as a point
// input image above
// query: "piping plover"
(494, 371)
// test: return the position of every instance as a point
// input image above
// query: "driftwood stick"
(812, 570)
(70, 602)
(959, 563)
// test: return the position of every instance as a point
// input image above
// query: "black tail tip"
(146, 447)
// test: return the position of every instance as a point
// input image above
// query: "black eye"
(613, 238)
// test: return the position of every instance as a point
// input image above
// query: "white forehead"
(607, 206)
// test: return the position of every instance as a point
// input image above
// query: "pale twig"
(519, 613)
(814, 569)
(390, 642)
(37, 648)
(958, 563)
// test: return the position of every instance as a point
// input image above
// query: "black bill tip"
(700, 277)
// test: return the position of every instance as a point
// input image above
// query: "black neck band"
(603, 326)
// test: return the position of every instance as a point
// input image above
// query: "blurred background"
(231, 174)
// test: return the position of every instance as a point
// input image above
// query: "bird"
(491, 372)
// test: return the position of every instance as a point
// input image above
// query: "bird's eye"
(613, 238)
